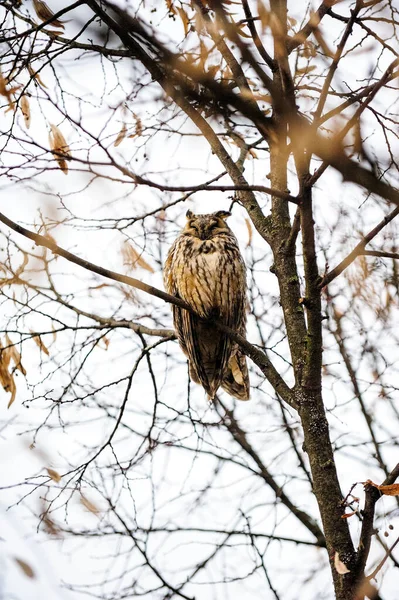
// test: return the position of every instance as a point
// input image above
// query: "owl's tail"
(215, 361)
(236, 379)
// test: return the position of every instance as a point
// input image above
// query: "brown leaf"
(89, 505)
(249, 229)
(8, 353)
(4, 374)
(36, 76)
(58, 141)
(8, 92)
(4, 357)
(184, 17)
(14, 355)
(339, 565)
(59, 146)
(133, 259)
(13, 389)
(25, 110)
(389, 490)
(54, 475)
(138, 127)
(27, 569)
(171, 8)
(308, 50)
(50, 527)
(350, 514)
(121, 135)
(44, 13)
(38, 340)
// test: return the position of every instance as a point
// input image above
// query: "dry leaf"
(50, 527)
(14, 355)
(388, 490)
(171, 8)
(339, 565)
(121, 135)
(89, 505)
(27, 569)
(249, 229)
(138, 128)
(347, 515)
(36, 76)
(59, 142)
(54, 475)
(44, 13)
(133, 259)
(308, 50)
(38, 340)
(59, 147)
(139, 125)
(13, 390)
(8, 93)
(49, 524)
(8, 353)
(25, 110)
(186, 21)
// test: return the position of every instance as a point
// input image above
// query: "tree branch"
(372, 497)
(240, 436)
(253, 352)
(359, 249)
(380, 253)
(336, 59)
(220, 188)
(310, 27)
(257, 41)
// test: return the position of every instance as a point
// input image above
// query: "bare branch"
(250, 350)
(359, 249)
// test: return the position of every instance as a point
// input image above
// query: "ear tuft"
(189, 214)
(223, 214)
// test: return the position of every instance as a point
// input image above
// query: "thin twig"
(253, 352)
(359, 249)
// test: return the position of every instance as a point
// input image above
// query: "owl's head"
(205, 227)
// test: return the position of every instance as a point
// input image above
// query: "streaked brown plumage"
(204, 268)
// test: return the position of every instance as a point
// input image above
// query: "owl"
(204, 268)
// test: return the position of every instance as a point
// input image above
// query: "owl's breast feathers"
(210, 276)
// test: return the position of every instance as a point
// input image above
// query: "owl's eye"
(213, 226)
(194, 227)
